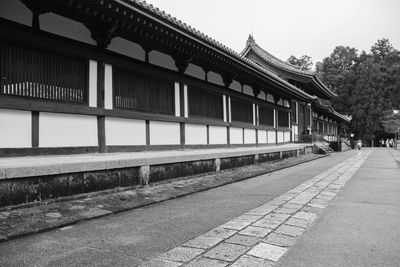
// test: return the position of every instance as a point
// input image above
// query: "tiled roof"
(154, 11)
(272, 59)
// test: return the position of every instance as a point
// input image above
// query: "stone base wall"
(30, 189)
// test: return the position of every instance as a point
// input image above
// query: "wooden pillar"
(101, 133)
(35, 129)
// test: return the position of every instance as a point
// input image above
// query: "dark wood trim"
(35, 129)
(101, 133)
(182, 133)
(228, 136)
(147, 133)
(243, 136)
(208, 134)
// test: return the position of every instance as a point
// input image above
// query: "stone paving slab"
(274, 228)
(38, 217)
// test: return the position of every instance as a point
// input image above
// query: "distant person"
(387, 143)
(391, 143)
(359, 144)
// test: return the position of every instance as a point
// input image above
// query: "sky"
(291, 27)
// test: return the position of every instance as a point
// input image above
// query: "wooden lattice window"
(148, 94)
(205, 103)
(283, 118)
(26, 72)
(241, 111)
(266, 115)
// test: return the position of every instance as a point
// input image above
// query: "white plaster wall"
(125, 132)
(217, 135)
(286, 136)
(67, 130)
(270, 98)
(195, 134)
(249, 136)
(248, 90)
(213, 77)
(271, 137)
(162, 60)
(224, 107)
(262, 96)
(164, 133)
(15, 128)
(63, 26)
(280, 136)
(295, 131)
(280, 102)
(15, 11)
(177, 100)
(108, 87)
(235, 85)
(236, 135)
(127, 48)
(185, 101)
(262, 136)
(195, 71)
(92, 83)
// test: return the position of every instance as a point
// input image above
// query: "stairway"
(323, 148)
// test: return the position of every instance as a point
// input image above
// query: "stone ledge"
(23, 167)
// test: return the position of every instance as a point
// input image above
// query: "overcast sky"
(291, 27)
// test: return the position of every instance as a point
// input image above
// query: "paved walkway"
(33, 218)
(262, 236)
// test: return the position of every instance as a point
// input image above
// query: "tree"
(367, 84)
(304, 62)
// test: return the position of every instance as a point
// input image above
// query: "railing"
(312, 138)
(26, 72)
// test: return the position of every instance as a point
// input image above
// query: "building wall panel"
(262, 136)
(16, 11)
(195, 134)
(286, 136)
(125, 132)
(63, 26)
(67, 130)
(249, 136)
(162, 60)
(164, 133)
(271, 135)
(217, 135)
(127, 48)
(15, 128)
(216, 78)
(236, 135)
(280, 136)
(195, 71)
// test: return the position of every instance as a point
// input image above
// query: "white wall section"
(195, 71)
(108, 87)
(15, 128)
(262, 136)
(127, 48)
(224, 107)
(63, 26)
(217, 135)
(280, 136)
(185, 99)
(271, 137)
(236, 135)
(177, 101)
(125, 132)
(162, 60)
(286, 136)
(164, 133)
(67, 130)
(195, 134)
(249, 136)
(16, 11)
(92, 83)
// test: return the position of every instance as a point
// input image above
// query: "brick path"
(263, 235)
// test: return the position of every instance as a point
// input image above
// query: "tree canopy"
(367, 85)
(304, 62)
